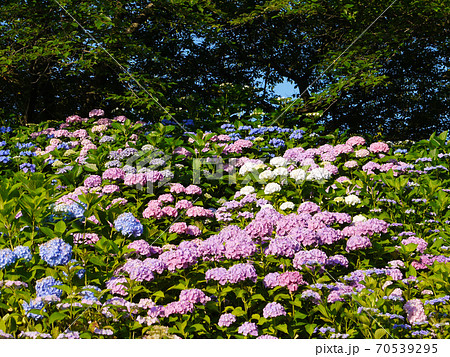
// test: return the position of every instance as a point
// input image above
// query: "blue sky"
(285, 89)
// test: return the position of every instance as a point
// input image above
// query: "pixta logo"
(147, 169)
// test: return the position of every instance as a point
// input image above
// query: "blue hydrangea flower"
(88, 294)
(245, 127)
(55, 252)
(24, 145)
(128, 225)
(33, 304)
(2, 143)
(27, 167)
(7, 257)
(227, 126)
(27, 153)
(400, 151)
(74, 210)
(113, 163)
(5, 159)
(296, 134)
(167, 122)
(106, 139)
(63, 146)
(45, 287)
(234, 136)
(80, 273)
(188, 122)
(5, 129)
(277, 142)
(128, 152)
(22, 252)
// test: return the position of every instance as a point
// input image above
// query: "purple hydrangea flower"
(283, 246)
(218, 274)
(239, 247)
(241, 272)
(248, 328)
(273, 309)
(338, 259)
(357, 242)
(309, 257)
(226, 320)
(271, 280)
(178, 258)
(196, 296)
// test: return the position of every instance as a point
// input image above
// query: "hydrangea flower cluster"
(128, 225)
(55, 252)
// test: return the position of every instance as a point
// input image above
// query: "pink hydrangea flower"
(177, 188)
(93, 181)
(362, 153)
(120, 119)
(170, 211)
(193, 231)
(179, 227)
(96, 113)
(379, 147)
(113, 173)
(183, 204)
(415, 311)
(153, 212)
(421, 244)
(356, 140)
(193, 190)
(110, 189)
(166, 198)
(182, 151)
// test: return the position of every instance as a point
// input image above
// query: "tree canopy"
(367, 66)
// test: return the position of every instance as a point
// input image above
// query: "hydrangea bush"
(114, 229)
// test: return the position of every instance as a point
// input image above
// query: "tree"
(207, 60)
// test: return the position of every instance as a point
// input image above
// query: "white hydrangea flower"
(281, 171)
(318, 174)
(267, 205)
(267, 175)
(249, 167)
(278, 161)
(359, 218)
(287, 205)
(247, 190)
(352, 200)
(298, 175)
(272, 188)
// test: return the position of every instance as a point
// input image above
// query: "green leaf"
(258, 297)
(97, 261)
(282, 328)
(310, 328)
(60, 227)
(47, 231)
(379, 333)
(57, 316)
(238, 311)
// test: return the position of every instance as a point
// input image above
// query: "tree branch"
(140, 19)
